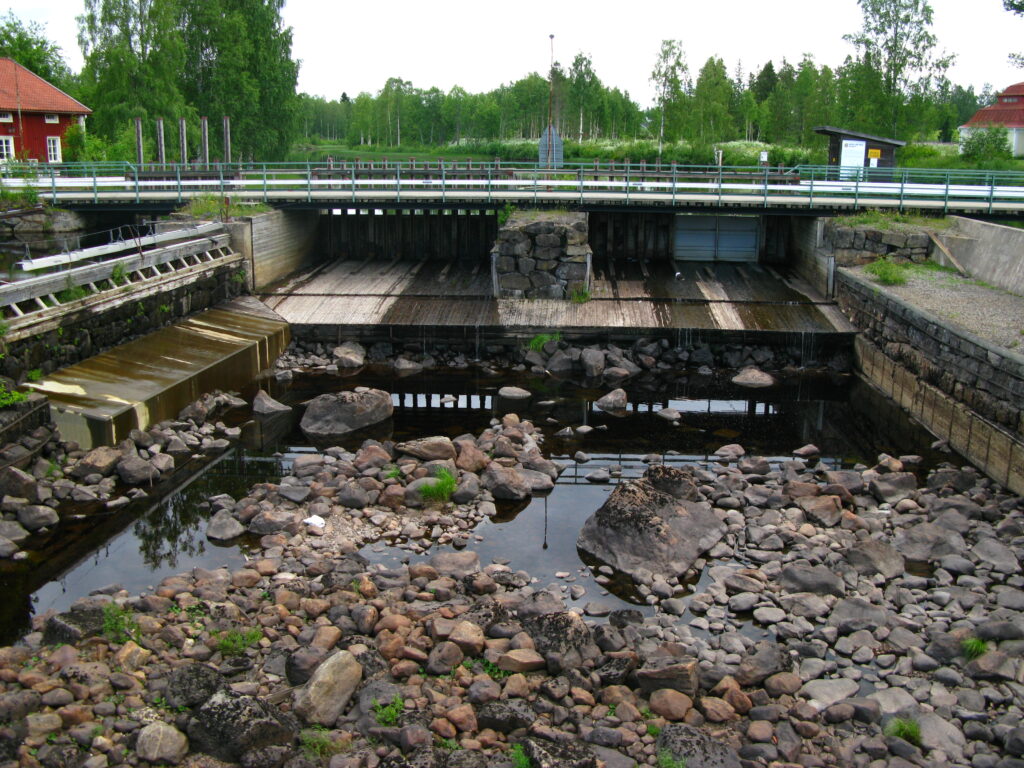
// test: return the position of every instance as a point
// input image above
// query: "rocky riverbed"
(839, 603)
(797, 614)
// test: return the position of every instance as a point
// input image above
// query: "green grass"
(886, 272)
(889, 220)
(906, 728)
(9, 397)
(505, 213)
(118, 275)
(235, 642)
(443, 487)
(666, 760)
(35, 374)
(536, 344)
(519, 758)
(449, 745)
(72, 292)
(889, 272)
(391, 472)
(653, 730)
(973, 647)
(387, 715)
(579, 295)
(119, 625)
(317, 745)
(218, 208)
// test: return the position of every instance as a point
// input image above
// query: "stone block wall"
(854, 246)
(541, 255)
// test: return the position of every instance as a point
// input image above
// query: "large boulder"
(696, 746)
(101, 461)
(428, 448)
(641, 528)
(504, 482)
(333, 415)
(228, 726)
(327, 693)
(351, 354)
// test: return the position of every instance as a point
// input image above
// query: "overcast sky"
(356, 46)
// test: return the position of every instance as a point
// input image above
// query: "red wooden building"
(34, 115)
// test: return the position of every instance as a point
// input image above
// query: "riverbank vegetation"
(240, 64)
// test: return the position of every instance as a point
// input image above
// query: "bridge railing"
(495, 183)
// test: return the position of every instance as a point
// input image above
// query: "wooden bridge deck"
(627, 296)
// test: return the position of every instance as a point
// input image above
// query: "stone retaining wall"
(959, 386)
(854, 246)
(540, 255)
(85, 333)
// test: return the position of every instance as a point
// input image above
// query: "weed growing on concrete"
(442, 489)
(504, 214)
(118, 276)
(973, 647)
(118, 623)
(234, 642)
(906, 728)
(536, 344)
(387, 714)
(580, 295)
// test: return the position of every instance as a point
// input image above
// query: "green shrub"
(906, 728)
(220, 208)
(505, 213)
(886, 272)
(442, 489)
(9, 397)
(519, 758)
(536, 344)
(118, 276)
(387, 714)
(72, 292)
(234, 642)
(35, 374)
(986, 144)
(973, 647)
(118, 623)
(449, 745)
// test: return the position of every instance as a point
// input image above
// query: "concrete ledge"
(990, 252)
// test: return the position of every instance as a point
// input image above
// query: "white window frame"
(51, 118)
(54, 152)
(6, 117)
(8, 153)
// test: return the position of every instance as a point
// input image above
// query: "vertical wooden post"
(161, 158)
(183, 140)
(138, 141)
(227, 138)
(204, 139)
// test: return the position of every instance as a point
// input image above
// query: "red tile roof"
(1006, 113)
(22, 89)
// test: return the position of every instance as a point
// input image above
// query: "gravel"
(989, 313)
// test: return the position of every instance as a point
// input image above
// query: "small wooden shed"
(852, 149)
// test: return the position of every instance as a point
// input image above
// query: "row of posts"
(204, 142)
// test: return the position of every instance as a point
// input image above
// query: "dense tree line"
(185, 58)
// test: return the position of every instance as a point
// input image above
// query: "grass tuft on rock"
(387, 715)
(666, 760)
(973, 647)
(442, 488)
(536, 344)
(906, 728)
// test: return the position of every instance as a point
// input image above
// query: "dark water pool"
(150, 539)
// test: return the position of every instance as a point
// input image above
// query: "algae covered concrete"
(100, 400)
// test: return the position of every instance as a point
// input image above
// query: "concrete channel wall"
(990, 252)
(960, 387)
(276, 244)
(807, 255)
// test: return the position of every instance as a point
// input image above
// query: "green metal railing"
(409, 182)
